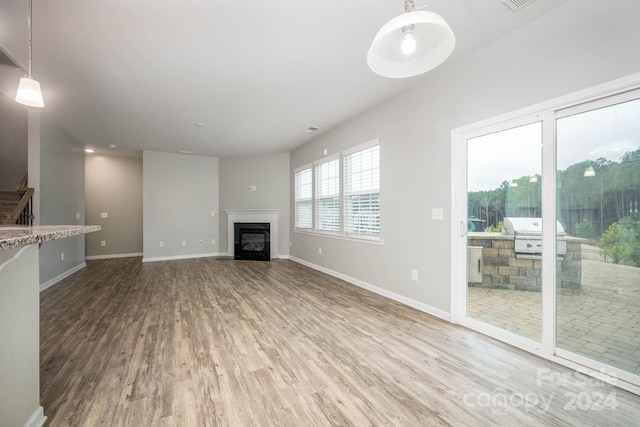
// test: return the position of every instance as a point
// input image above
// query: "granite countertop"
(15, 236)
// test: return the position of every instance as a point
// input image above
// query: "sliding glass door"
(598, 193)
(546, 252)
(503, 188)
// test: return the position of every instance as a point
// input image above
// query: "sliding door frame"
(546, 113)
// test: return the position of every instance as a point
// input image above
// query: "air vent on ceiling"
(516, 5)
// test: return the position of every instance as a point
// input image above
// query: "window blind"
(328, 195)
(362, 191)
(303, 199)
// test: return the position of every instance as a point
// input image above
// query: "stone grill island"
(20, 318)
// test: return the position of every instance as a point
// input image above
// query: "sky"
(607, 133)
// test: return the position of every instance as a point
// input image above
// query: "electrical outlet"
(184, 243)
(162, 244)
(200, 242)
(61, 256)
(414, 275)
(213, 241)
(77, 215)
(213, 213)
(103, 243)
(104, 214)
(319, 251)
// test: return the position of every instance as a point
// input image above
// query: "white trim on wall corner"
(111, 256)
(37, 418)
(59, 277)
(385, 293)
(188, 256)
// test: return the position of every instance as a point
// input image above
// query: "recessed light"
(311, 129)
(185, 152)
(199, 124)
(88, 150)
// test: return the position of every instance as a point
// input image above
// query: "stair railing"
(23, 213)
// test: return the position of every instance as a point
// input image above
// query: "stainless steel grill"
(527, 234)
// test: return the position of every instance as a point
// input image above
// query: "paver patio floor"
(589, 324)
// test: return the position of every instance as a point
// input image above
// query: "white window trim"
(345, 217)
(295, 172)
(341, 235)
(331, 158)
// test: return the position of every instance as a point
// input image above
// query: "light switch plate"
(437, 214)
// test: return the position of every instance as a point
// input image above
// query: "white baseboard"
(174, 257)
(37, 419)
(280, 256)
(380, 291)
(59, 277)
(111, 256)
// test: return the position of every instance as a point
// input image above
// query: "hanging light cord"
(30, 35)
(408, 5)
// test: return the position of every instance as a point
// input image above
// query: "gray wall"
(179, 193)
(61, 198)
(270, 175)
(13, 143)
(580, 44)
(113, 185)
(19, 333)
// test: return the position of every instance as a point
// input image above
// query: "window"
(328, 196)
(303, 198)
(340, 194)
(362, 191)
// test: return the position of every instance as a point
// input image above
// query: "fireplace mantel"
(253, 215)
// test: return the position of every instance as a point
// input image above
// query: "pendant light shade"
(29, 92)
(391, 54)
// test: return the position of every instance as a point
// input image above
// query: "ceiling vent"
(516, 5)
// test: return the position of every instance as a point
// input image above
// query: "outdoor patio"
(601, 320)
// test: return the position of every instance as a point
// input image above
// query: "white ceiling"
(140, 73)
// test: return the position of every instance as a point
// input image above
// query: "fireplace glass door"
(252, 241)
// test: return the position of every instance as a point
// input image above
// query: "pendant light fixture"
(29, 92)
(410, 44)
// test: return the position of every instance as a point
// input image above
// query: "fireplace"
(252, 241)
(268, 216)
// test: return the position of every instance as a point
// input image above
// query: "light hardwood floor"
(209, 341)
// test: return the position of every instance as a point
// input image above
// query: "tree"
(620, 243)
(585, 230)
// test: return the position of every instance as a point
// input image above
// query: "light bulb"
(408, 43)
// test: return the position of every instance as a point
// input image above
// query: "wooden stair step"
(7, 208)
(10, 195)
